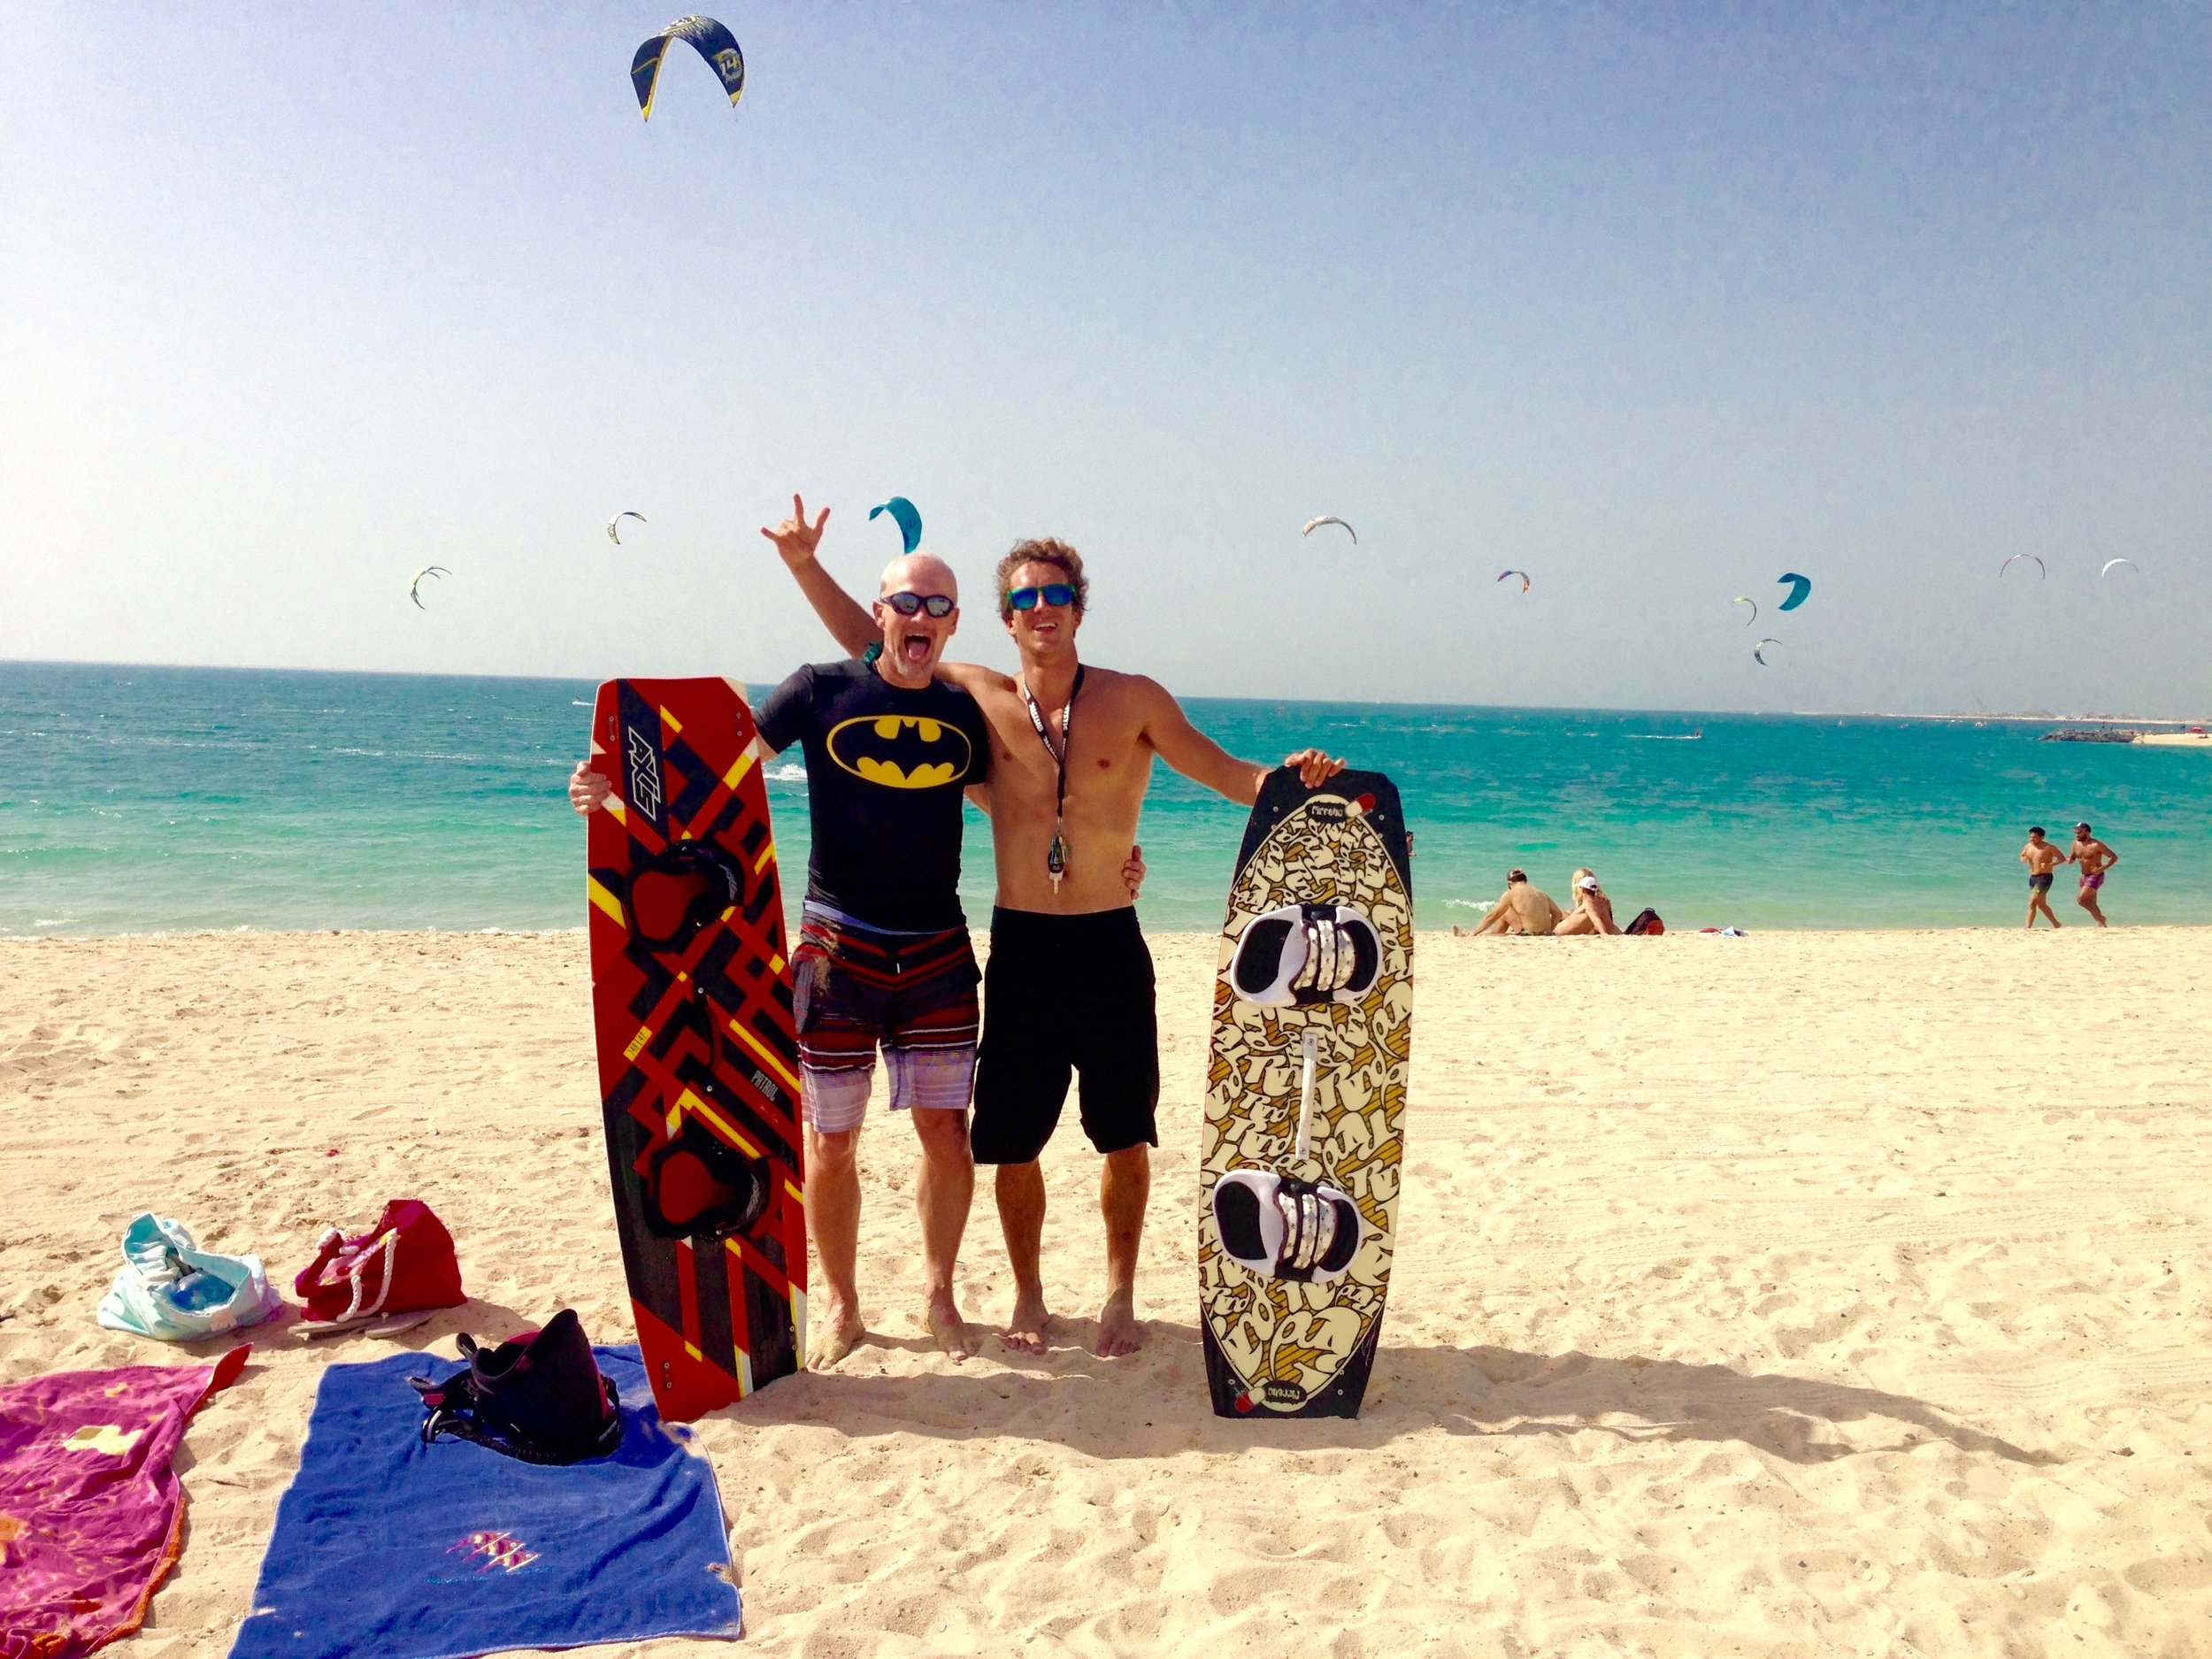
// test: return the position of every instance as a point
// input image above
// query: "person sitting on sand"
(2095, 858)
(2041, 858)
(1592, 911)
(883, 957)
(1521, 908)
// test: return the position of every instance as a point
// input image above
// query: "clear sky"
(1656, 303)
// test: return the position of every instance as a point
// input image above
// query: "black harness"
(541, 1397)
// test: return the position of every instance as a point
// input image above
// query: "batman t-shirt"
(884, 767)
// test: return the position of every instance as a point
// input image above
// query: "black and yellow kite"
(714, 43)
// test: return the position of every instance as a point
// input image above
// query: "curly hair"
(1043, 550)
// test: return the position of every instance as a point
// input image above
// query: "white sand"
(1837, 1294)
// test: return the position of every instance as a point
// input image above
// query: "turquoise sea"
(137, 799)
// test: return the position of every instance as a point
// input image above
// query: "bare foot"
(842, 1333)
(1025, 1332)
(1119, 1331)
(951, 1332)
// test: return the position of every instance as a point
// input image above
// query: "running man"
(2041, 858)
(1069, 990)
(883, 957)
(2095, 858)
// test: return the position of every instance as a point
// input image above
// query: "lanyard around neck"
(1057, 856)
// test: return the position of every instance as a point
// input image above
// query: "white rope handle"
(354, 1309)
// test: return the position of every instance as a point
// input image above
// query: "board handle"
(1312, 1043)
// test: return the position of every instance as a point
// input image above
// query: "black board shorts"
(1065, 995)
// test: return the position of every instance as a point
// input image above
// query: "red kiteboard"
(698, 1057)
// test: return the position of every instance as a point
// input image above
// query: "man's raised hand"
(795, 539)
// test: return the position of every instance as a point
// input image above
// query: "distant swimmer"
(1592, 911)
(1521, 908)
(2094, 858)
(2041, 858)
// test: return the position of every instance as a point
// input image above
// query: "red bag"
(403, 1263)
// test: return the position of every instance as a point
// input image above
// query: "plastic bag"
(172, 1290)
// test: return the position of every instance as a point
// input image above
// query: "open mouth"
(914, 648)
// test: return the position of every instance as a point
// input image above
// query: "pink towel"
(91, 1515)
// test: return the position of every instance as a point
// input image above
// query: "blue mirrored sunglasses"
(1052, 593)
(913, 604)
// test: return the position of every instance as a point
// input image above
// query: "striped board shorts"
(855, 988)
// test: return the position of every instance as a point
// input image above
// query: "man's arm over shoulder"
(974, 678)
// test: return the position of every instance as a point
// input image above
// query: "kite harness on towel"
(540, 1397)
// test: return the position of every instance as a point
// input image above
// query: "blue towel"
(388, 1546)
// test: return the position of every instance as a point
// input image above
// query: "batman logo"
(900, 751)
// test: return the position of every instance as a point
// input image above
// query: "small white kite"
(2039, 568)
(414, 586)
(1759, 651)
(1329, 517)
(2112, 564)
(613, 531)
(1745, 599)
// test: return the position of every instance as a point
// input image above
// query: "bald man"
(883, 958)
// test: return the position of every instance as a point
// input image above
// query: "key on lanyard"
(1056, 855)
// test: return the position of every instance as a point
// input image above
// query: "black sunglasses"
(1059, 594)
(914, 604)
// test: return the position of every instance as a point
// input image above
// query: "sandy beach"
(1795, 1294)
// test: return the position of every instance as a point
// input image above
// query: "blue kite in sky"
(714, 43)
(1799, 586)
(909, 521)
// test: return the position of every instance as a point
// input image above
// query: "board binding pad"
(1322, 911)
(698, 1054)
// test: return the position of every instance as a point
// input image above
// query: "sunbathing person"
(1592, 911)
(1521, 908)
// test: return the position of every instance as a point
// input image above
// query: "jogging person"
(1069, 990)
(2095, 858)
(2042, 857)
(883, 957)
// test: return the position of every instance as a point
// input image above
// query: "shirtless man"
(1592, 911)
(1521, 909)
(2095, 858)
(1069, 986)
(2041, 858)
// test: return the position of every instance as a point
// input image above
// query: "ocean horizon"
(145, 798)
